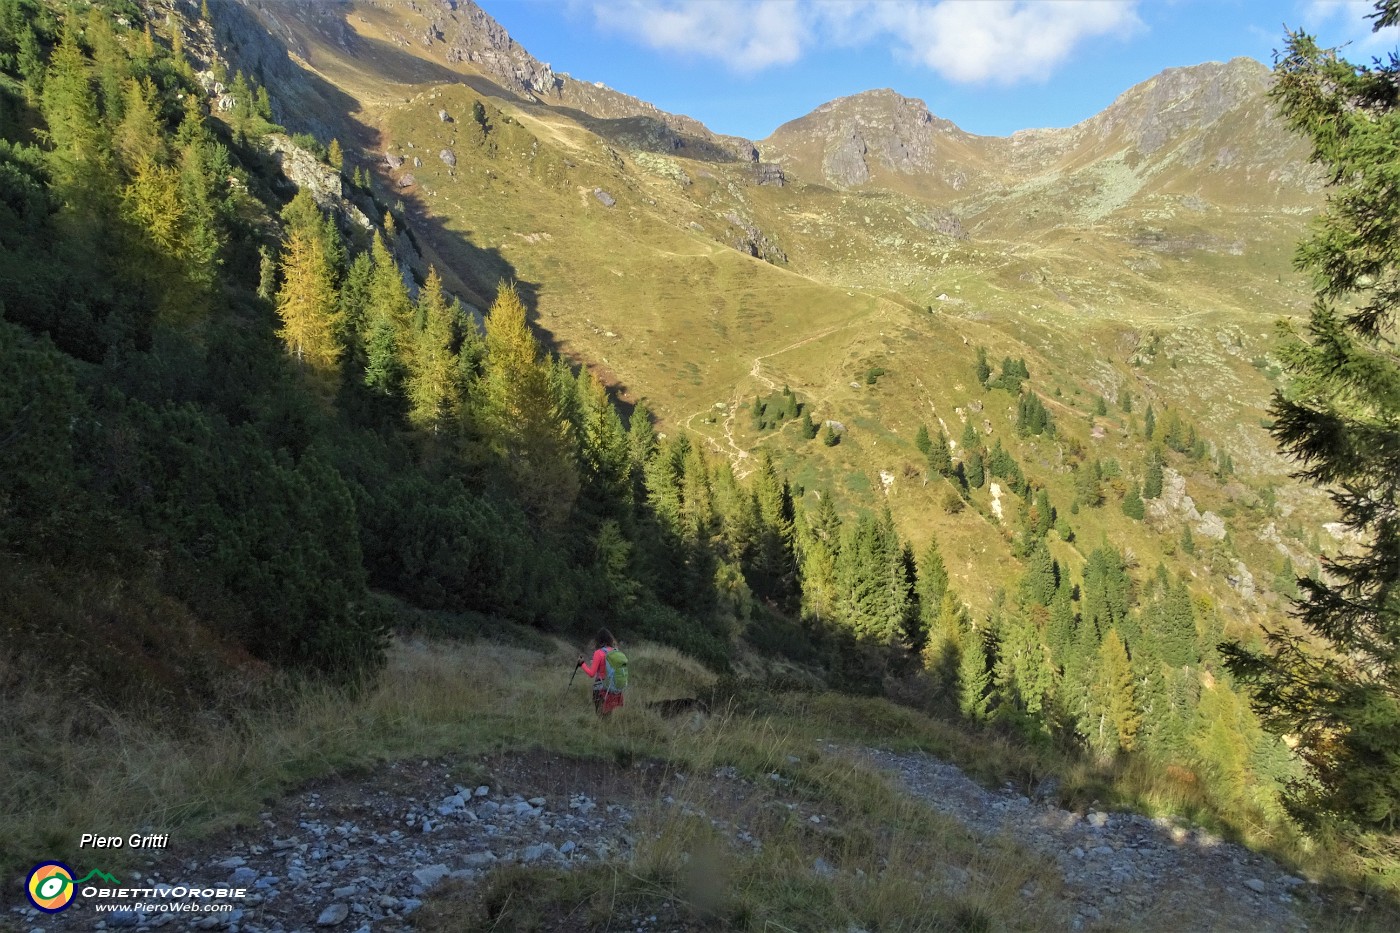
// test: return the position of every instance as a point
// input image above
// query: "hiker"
(609, 672)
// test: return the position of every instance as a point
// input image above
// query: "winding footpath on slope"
(362, 853)
(1121, 870)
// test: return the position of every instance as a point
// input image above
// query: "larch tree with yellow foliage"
(307, 305)
(432, 371)
(520, 415)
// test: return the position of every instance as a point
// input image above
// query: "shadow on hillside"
(651, 135)
(477, 272)
(306, 101)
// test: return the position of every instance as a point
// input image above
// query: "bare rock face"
(317, 179)
(1211, 526)
(845, 163)
(1242, 580)
(471, 35)
(769, 173)
(754, 241)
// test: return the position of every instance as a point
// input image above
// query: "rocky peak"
(471, 35)
(865, 131)
(1182, 100)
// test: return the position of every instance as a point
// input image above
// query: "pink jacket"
(598, 670)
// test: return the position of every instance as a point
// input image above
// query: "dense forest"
(235, 435)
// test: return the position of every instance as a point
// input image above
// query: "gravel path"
(1121, 870)
(359, 853)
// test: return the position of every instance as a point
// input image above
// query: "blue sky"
(991, 66)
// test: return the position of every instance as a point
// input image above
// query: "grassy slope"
(1076, 269)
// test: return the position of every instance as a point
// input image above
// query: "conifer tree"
(335, 155)
(970, 438)
(922, 440)
(641, 435)
(1152, 481)
(983, 370)
(139, 136)
(388, 337)
(1149, 423)
(973, 469)
(80, 155)
(1039, 583)
(520, 414)
(1113, 720)
(821, 543)
(432, 376)
(933, 583)
(1337, 693)
(605, 450)
(1088, 488)
(1132, 503)
(809, 429)
(308, 306)
(940, 462)
(974, 676)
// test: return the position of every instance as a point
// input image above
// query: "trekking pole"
(577, 665)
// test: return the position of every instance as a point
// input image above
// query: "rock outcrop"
(317, 179)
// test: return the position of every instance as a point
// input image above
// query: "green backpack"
(617, 670)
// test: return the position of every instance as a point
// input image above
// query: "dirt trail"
(1119, 869)
(362, 853)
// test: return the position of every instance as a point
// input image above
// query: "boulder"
(1212, 526)
(604, 198)
(448, 157)
(332, 915)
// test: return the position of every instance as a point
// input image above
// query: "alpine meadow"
(999, 533)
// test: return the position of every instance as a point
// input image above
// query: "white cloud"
(1003, 43)
(745, 36)
(986, 41)
(1346, 21)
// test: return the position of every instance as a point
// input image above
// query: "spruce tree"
(974, 676)
(940, 462)
(1337, 692)
(922, 440)
(932, 585)
(1149, 423)
(1132, 503)
(1152, 480)
(973, 469)
(970, 438)
(982, 370)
